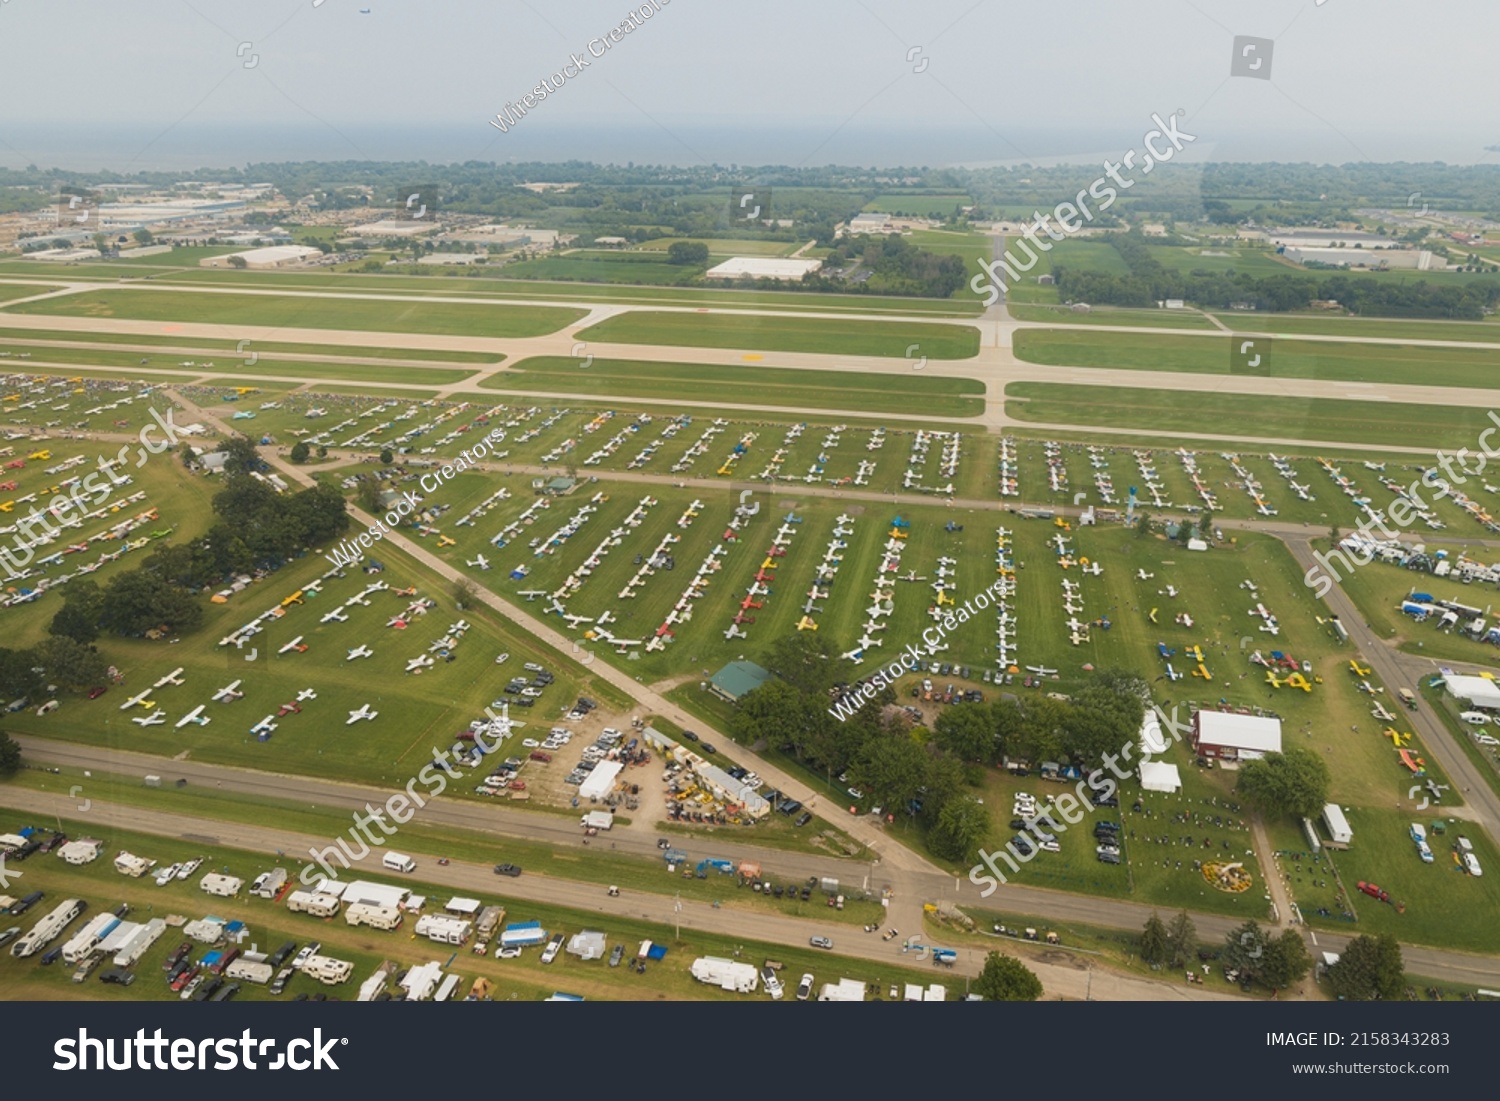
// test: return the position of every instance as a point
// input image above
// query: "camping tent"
(1160, 776)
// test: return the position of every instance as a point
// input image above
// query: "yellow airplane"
(806, 624)
(1397, 738)
(943, 597)
(1153, 615)
(7, 506)
(726, 470)
(1357, 669)
(1297, 680)
(899, 533)
(295, 598)
(1273, 680)
(243, 390)
(41, 456)
(768, 564)
(445, 541)
(1202, 672)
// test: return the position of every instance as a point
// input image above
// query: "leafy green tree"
(967, 732)
(300, 452)
(78, 618)
(138, 601)
(687, 252)
(775, 712)
(71, 665)
(1370, 968)
(18, 675)
(1292, 783)
(10, 755)
(1182, 938)
(387, 456)
(1154, 947)
(1286, 961)
(810, 664)
(892, 768)
(1007, 979)
(1245, 949)
(961, 826)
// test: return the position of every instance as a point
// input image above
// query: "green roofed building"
(738, 678)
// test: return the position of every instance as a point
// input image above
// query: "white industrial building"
(1405, 259)
(265, 259)
(601, 781)
(763, 267)
(393, 229)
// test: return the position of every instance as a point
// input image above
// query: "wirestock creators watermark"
(1065, 213)
(576, 64)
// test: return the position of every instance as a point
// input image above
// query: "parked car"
(708, 748)
(771, 982)
(554, 946)
(117, 975)
(511, 870)
(617, 955)
(1109, 858)
(803, 819)
(820, 942)
(508, 952)
(10, 934)
(278, 984)
(804, 987)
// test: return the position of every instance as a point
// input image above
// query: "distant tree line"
(1150, 281)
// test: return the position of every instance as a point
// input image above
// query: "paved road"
(1063, 974)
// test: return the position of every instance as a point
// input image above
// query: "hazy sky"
(90, 83)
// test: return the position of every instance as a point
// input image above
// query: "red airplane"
(743, 618)
(665, 631)
(751, 602)
(762, 576)
(776, 552)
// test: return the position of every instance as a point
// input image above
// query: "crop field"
(1290, 358)
(294, 311)
(1221, 259)
(788, 334)
(796, 389)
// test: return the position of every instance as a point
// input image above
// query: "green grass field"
(795, 389)
(1289, 358)
(1246, 415)
(1385, 328)
(602, 266)
(9, 291)
(297, 311)
(37, 339)
(788, 334)
(919, 203)
(493, 284)
(1109, 315)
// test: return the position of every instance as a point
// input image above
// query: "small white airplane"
(174, 677)
(305, 695)
(229, 693)
(142, 699)
(265, 726)
(734, 632)
(420, 662)
(575, 620)
(1093, 569)
(1173, 674)
(360, 652)
(481, 561)
(1170, 590)
(1040, 670)
(194, 716)
(1142, 575)
(363, 712)
(532, 594)
(556, 608)
(866, 641)
(290, 646)
(155, 719)
(338, 615)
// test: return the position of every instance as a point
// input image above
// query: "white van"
(398, 863)
(1474, 718)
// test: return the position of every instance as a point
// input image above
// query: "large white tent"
(601, 781)
(1160, 776)
(1478, 691)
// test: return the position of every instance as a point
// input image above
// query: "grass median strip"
(793, 388)
(829, 336)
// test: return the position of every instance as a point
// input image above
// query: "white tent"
(601, 781)
(587, 945)
(1160, 776)
(1478, 691)
(1153, 742)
